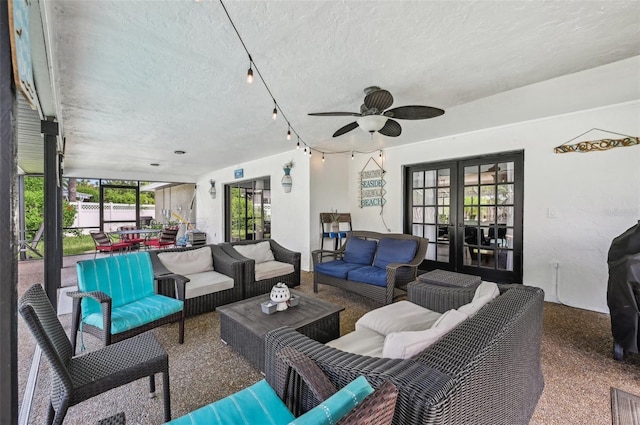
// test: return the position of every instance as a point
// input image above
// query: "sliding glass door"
(471, 211)
(248, 210)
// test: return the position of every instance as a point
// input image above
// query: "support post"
(8, 247)
(52, 209)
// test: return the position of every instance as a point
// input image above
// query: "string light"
(305, 148)
(250, 72)
(298, 144)
(275, 110)
(289, 132)
(352, 155)
(380, 153)
(322, 156)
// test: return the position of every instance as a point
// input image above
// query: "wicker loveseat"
(485, 371)
(265, 263)
(212, 277)
(372, 264)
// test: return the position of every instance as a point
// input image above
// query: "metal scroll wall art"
(371, 182)
(597, 145)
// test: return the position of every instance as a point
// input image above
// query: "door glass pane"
(418, 179)
(430, 233)
(444, 196)
(443, 215)
(430, 215)
(418, 215)
(471, 175)
(416, 230)
(442, 253)
(487, 195)
(487, 214)
(505, 194)
(429, 197)
(506, 172)
(418, 197)
(505, 215)
(471, 195)
(470, 215)
(431, 252)
(444, 177)
(430, 178)
(505, 259)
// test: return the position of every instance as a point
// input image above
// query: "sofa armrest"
(284, 255)
(248, 265)
(418, 384)
(319, 255)
(227, 265)
(105, 303)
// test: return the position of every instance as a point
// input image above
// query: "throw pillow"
(335, 407)
(260, 252)
(486, 292)
(360, 251)
(404, 345)
(398, 317)
(188, 262)
(395, 251)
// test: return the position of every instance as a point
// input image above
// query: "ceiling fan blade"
(391, 129)
(379, 99)
(413, 112)
(347, 128)
(335, 114)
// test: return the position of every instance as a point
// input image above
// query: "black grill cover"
(623, 290)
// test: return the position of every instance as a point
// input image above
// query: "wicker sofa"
(485, 371)
(371, 264)
(265, 263)
(218, 282)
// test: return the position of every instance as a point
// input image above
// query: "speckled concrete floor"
(576, 360)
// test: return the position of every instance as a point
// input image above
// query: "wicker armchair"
(260, 400)
(75, 379)
(117, 300)
(253, 287)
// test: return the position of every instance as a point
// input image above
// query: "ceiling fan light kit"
(373, 115)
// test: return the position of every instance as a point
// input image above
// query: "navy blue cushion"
(360, 251)
(336, 268)
(369, 274)
(395, 251)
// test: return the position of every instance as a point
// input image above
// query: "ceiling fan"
(373, 117)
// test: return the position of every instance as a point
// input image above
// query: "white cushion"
(269, 269)
(364, 342)
(404, 345)
(398, 317)
(188, 262)
(260, 252)
(485, 292)
(207, 283)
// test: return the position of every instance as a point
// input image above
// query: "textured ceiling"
(137, 80)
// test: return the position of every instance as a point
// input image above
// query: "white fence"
(88, 213)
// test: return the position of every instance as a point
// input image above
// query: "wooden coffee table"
(243, 325)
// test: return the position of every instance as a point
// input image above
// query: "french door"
(470, 209)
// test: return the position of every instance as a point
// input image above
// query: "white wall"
(329, 191)
(596, 195)
(289, 211)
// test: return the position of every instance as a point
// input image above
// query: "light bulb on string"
(305, 149)
(380, 154)
(289, 132)
(322, 156)
(250, 72)
(309, 152)
(275, 111)
(352, 155)
(298, 144)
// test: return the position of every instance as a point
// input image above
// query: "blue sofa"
(371, 264)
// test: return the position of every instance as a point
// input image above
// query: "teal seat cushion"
(257, 404)
(335, 407)
(125, 278)
(136, 313)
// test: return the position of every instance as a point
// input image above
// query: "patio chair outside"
(75, 379)
(166, 239)
(104, 244)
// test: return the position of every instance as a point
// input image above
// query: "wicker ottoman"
(447, 278)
